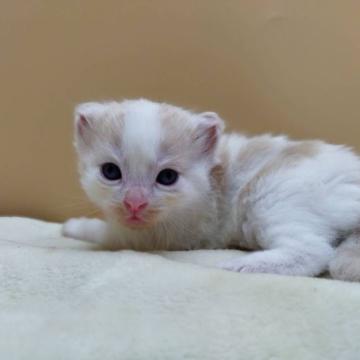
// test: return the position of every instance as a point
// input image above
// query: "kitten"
(167, 178)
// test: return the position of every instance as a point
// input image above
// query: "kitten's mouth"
(135, 221)
(134, 218)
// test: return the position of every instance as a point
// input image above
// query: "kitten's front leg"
(309, 260)
(91, 230)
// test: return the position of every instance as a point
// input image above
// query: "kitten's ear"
(85, 116)
(208, 131)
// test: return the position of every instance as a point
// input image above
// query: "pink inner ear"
(209, 130)
(207, 135)
(211, 138)
(82, 124)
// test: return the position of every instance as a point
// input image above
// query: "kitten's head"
(143, 162)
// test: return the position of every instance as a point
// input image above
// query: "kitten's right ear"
(85, 116)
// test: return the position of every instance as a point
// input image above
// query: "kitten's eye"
(167, 177)
(111, 171)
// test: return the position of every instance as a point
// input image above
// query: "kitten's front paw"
(91, 230)
(72, 228)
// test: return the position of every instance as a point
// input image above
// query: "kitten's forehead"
(141, 131)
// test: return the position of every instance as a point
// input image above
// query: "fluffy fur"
(290, 201)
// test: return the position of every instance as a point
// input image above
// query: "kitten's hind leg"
(301, 261)
(346, 263)
(91, 230)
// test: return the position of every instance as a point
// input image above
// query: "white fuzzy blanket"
(60, 299)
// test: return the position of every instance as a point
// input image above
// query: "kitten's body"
(294, 200)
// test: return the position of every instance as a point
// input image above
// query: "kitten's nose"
(135, 201)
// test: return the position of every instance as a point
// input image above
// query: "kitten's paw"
(283, 261)
(73, 228)
(90, 230)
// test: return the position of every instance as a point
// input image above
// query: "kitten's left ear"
(208, 131)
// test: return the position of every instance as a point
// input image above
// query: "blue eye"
(167, 177)
(111, 171)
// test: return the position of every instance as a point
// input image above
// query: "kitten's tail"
(346, 263)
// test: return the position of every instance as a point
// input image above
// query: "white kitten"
(167, 178)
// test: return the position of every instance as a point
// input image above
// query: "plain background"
(265, 66)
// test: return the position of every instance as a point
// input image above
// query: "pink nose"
(135, 201)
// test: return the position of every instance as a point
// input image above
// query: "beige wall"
(274, 66)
